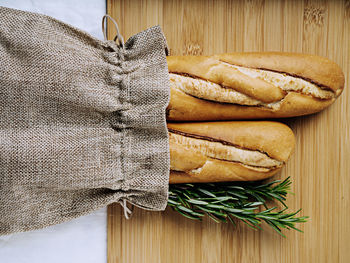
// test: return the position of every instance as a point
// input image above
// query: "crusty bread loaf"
(228, 151)
(251, 85)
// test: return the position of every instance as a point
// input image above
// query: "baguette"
(228, 151)
(251, 86)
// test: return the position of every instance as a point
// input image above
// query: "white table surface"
(83, 239)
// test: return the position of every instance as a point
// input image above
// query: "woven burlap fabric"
(82, 121)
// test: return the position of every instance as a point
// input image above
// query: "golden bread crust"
(221, 69)
(189, 166)
(192, 164)
(221, 171)
(273, 138)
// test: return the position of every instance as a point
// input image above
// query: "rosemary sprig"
(224, 202)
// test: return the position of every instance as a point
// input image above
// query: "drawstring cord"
(127, 211)
(118, 36)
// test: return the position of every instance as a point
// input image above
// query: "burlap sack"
(82, 121)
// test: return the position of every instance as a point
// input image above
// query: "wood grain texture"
(320, 166)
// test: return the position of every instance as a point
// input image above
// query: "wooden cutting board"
(319, 168)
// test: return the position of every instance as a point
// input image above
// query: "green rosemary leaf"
(238, 194)
(235, 187)
(231, 220)
(252, 226)
(249, 212)
(197, 202)
(206, 192)
(268, 210)
(275, 228)
(224, 198)
(186, 215)
(185, 209)
(217, 220)
(181, 200)
(211, 211)
(172, 202)
(253, 221)
(233, 210)
(215, 206)
(254, 204)
(187, 195)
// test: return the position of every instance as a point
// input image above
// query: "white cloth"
(83, 239)
(80, 240)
